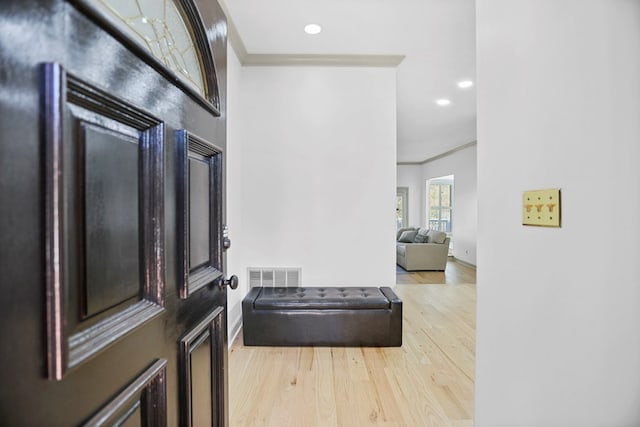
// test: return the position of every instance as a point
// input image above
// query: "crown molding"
(301, 60)
(236, 42)
(234, 36)
(441, 155)
(284, 60)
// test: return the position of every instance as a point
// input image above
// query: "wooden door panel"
(111, 217)
(199, 214)
(142, 403)
(104, 216)
(200, 211)
(202, 391)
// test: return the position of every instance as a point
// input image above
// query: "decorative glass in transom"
(159, 26)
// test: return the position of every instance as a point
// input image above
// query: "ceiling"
(435, 37)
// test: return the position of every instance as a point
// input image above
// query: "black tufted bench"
(349, 317)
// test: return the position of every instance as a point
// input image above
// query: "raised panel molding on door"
(202, 358)
(98, 220)
(143, 402)
(199, 212)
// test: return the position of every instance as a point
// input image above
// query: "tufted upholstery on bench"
(320, 298)
(322, 316)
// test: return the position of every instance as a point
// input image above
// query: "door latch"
(226, 242)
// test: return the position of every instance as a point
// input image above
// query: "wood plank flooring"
(455, 273)
(429, 381)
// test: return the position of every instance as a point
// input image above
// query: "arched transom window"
(163, 28)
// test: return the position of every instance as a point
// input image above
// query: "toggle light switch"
(541, 208)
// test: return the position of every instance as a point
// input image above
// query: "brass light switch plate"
(541, 208)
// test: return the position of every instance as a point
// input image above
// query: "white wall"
(463, 165)
(410, 176)
(558, 338)
(312, 174)
(235, 174)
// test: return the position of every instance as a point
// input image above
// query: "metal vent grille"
(274, 277)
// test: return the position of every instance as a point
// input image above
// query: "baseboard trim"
(235, 331)
(466, 264)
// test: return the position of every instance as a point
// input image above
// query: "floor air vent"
(272, 277)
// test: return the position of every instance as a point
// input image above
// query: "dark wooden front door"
(112, 277)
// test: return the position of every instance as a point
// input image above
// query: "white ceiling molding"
(282, 60)
(260, 60)
(439, 156)
(236, 41)
(234, 36)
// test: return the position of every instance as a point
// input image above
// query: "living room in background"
(440, 205)
(402, 207)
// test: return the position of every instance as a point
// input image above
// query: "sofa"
(422, 249)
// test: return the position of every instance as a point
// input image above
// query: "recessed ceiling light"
(443, 102)
(312, 28)
(464, 84)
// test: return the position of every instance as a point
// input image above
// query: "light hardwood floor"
(455, 273)
(429, 381)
